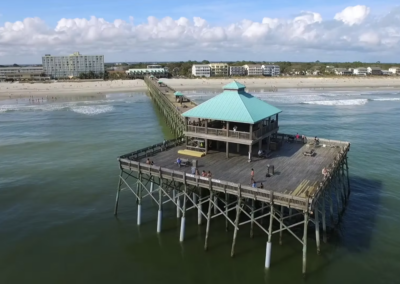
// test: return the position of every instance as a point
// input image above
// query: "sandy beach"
(75, 88)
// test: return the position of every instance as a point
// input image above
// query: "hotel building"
(201, 70)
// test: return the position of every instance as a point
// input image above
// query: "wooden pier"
(297, 189)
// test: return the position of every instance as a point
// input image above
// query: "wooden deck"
(294, 173)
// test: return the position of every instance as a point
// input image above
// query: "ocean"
(59, 174)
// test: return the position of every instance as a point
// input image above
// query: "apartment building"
(343, 71)
(374, 70)
(17, 73)
(360, 71)
(201, 70)
(154, 66)
(271, 70)
(72, 65)
(394, 70)
(219, 69)
(237, 71)
(254, 70)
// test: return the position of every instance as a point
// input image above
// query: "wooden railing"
(232, 134)
(216, 185)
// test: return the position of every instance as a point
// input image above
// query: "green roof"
(233, 105)
(178, 94)
(234, 86)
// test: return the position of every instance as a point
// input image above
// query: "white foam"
(356, 102)
(386, 99)
(92, 110)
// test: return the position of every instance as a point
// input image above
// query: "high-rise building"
(72, 65)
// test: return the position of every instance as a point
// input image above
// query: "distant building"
(20, 73)
(386, 72)
(374, 70)
(139, 72)
(271, 70)
(237, 71)
(343, 72)
(361, 71)
(154, 66)
(394, 70)
(201, 70)
(329, 69)
(219, 69)
(254, 70)
(72, 65)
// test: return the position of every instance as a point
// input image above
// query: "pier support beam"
(117, 197)
(238, 209)
(215, 204)
(323, 219)
(226, 212)
(252, 218)
(269, 244)
(208, 220)
(178, 207)
(159, 216)
(182, 233)
(316, 220)
(281, 226)
(305, 242)
(199, 209)
(139, 205)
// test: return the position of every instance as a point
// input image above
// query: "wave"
(92, 110)
(386, 99)
(356, 102)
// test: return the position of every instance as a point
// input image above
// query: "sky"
(219, 30)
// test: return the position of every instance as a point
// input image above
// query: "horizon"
(217, 31)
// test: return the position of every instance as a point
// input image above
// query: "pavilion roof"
(235, 105)
(178, 94)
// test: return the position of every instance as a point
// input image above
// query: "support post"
(208, 220)
(317, 227)
(269, 244)
(159, 217)
(252, 218)
(182, 233)
(117, 197)
(323, 219)
(178, 207)
(305, 241)
(152, 184)
(139, 207)
(249, 158)
(215, 204)
(199, 209)
(238, 209)
(227, 149)
(281, 226)
(226, 212)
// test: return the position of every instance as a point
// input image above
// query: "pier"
(297, 184)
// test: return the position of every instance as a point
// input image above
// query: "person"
(252, 174)
(261, 185)
(324, 172)
(209, 174)
(304, 139)
(197, 172)
(152, 163)
(164, 143)
(316, 140)
(297, 136)
(235, 128)
(204, 174)
(261, 153)
(178, 161)
(254, 184)
(148, 161)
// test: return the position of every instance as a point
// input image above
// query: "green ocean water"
(58, 179)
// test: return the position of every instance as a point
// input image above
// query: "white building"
(343, 71)
(271, 70)
(237, 71)
(154, 66)
(374, 70)
(219, 69)
(201, 70)
(254, 70)
(394, 70)
(72, 65)
(30, 72)
(140, 72)
(360, 71)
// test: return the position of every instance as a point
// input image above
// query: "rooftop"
(241, 107)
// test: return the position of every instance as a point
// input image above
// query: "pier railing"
(216, 185)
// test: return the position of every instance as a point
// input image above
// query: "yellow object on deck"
(191, 153)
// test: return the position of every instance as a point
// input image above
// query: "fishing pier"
(236, 165)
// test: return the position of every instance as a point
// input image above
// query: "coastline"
(78, 88)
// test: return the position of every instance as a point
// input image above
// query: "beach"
(74, 88)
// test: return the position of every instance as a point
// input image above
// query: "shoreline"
(94, 88)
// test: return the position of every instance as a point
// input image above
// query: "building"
(271, 70)
(154, 66)
(138, 72)
(254, 70)
(201, 70)
(72, 65)
(361, 71)
(386, 72)
(394, 70)
(219, 69)
(245, 121)
(21, 73)
(374, 70)
(237, 71)
(343, 72)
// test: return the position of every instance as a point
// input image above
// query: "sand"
(60, 89)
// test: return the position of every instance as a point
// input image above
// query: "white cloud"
(160, 38)
(353, 15)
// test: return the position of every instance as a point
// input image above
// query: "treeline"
(185, 68)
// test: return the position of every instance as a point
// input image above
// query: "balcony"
(199, 131)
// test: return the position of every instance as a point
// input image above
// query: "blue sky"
(282, 35)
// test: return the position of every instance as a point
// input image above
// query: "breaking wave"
(92, 110)
(356, 102)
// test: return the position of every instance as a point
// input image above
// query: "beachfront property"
(72, 65)
(374, 70)
(140, 72)
(154, 66)
(219, 69)
(201, 70)
(343, 72)
(254, 70)
(237, 71)
(394, 70)
(271, 70)
(232, 163)
(360, 71)
(21, 73)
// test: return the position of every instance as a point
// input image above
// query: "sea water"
(59, 174)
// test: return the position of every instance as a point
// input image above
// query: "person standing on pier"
(252, 175)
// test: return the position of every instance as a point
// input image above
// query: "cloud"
(353, 15)
(353, 29)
